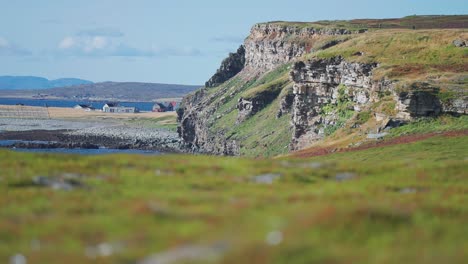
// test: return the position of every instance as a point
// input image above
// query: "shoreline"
(55, 139)
(78, 129)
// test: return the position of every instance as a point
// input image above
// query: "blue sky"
(177, 41)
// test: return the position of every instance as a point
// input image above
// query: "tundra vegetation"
(402, 203)
(345, 199)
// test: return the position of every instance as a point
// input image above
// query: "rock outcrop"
(320, 96)
(319, 83)
(270, 45)
(230, 66)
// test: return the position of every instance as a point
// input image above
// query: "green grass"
(342, 108)
(262, 134)
(428, 125)
(165, 122)
(404, 204)
(363, 117)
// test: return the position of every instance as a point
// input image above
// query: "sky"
(174, 41)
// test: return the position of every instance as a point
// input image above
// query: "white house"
(115, 108)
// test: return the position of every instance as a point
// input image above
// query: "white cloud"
(95, 43)
(3, 43)
(11, 49)
(89, 45)
(84, 44)
(67, 43)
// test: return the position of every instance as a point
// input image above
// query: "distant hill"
(116, 91)
(34, 82)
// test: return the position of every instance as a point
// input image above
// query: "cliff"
(230, 66)
(294, 84)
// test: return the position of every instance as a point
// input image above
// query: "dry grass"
(406, 53)
(60, 112)
(71, 113)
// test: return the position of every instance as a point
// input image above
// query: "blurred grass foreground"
(403, 203)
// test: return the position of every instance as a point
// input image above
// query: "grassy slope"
(406, 204)
(262, 134)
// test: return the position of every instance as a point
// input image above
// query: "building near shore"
(115, 108)
(165, 106)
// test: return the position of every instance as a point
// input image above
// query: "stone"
(344, 176)
(459, 43)
(59, 183)
(103, 250)
(268, 178)
(359, 53)
(274, 238)
(376, 135)
(187, 254)
(420, 101)
(392, 123)
(379, 117)
(18, 259)
(408, 190)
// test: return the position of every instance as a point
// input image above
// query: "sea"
(99, 151)
(142, 106)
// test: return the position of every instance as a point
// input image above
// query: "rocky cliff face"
(270, 45)
(195, 117)
(267, 47)
(422, 99)
(329, 91)
(230, 66)
(320, 96)
(317, 84)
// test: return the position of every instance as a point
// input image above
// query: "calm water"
(143, 106)
(92, 151)
(100, 151)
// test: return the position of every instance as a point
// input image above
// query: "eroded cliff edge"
(291, 85)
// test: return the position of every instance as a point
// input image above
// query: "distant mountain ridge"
(115, 91)
(34, 82)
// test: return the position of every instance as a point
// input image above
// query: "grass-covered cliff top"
(397, 204)
(409, 22)
(407, 54)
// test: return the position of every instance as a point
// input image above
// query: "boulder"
(460, 43)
